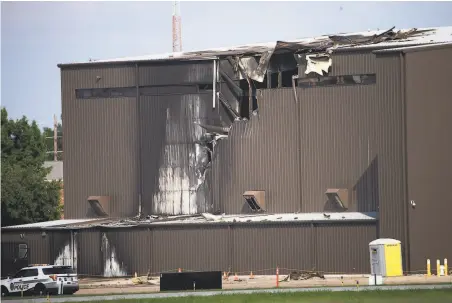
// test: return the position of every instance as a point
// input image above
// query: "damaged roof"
(54, 223)
(379, 39)
(205, 218)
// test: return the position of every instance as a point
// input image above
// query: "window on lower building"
(103, 93)
(337, 80)
(23, 251)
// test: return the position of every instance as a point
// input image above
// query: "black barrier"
(190, 280)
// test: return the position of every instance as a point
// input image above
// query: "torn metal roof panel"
(359, 40)
(55, 223)
(210, 219)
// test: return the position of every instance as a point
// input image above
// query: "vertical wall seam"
(405, 160)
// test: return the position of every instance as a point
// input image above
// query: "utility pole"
(55, 138)
(177, 26)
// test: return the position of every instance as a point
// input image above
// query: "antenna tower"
(177, 37)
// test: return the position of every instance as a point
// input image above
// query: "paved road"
(211, 293)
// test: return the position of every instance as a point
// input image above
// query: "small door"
(375, 261)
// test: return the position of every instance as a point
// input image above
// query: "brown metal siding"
(388, 147)
(429, 150)
(336, 145)
(261, 248)
(353, 63)
(133, 249)
(240, 248)
(261, 155)
(100, 143)
(38, 246)
(169, 153)
(349, 63)
(58, 242)
(190, 248)
(178, 73)
(89, 258)
(343, 248)
(86, 77)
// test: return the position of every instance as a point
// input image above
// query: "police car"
(41, 280)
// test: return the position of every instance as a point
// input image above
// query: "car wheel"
(5, 291)
(39, 290)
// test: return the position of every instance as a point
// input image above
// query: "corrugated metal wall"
(343, 248)
(89, 257)
(176, 73)
(348, 63)
(336, 126)
(60, 247)
(190, 248)
(429, 150)
(239, 248)
(171, 153)
(261, 155)
(132, 248)
(38, 245)
(336, 129)
(387, 145)
(262, 248)
(100, 142)
(296, 162)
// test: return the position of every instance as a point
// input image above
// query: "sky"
(36, 36)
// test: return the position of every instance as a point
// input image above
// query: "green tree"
(26, 195)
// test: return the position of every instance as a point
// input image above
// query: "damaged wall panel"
(63, 251)
(261, 154)
(337, 146)
(262, 247)
(101, 142)
(178, 137)
(194, 248)
(347, 63)
(130, 251)
(174, 158)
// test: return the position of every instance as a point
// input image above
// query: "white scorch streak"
(112, 267)
(65, 256)
(175, 196)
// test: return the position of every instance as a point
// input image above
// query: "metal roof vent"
(255, 199)
(100, 205)
(338, 196)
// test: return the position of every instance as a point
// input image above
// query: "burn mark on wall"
(181, 124)
(112, 266)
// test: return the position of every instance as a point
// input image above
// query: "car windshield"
(58, 270)
(18, 274)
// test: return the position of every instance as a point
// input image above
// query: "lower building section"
(330, 248)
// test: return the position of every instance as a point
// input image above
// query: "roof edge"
(414, 48)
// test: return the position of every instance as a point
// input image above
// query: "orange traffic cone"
(236, 278)
(251, 275)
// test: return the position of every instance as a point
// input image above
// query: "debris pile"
(303, 275)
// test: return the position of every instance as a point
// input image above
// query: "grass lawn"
(393, 296)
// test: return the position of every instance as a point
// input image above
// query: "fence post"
(277, 276)
(446, 270)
